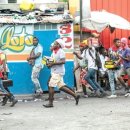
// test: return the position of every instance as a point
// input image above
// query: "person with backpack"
(82, 65)
(92, 58)
(94, 64)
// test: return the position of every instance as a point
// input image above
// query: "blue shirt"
(38, 61)
(125, 54)
(114, 54)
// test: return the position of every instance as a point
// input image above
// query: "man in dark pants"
(3, 75)
(11, 98)
(125, 70)
(90, 55)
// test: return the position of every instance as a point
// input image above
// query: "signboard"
(16, 41)
(65, 31)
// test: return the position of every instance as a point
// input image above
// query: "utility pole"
(80, 20)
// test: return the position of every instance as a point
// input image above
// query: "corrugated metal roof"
(8, 19)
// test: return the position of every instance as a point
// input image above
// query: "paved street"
(90, 114)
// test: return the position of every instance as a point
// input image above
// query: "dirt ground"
(90, 114)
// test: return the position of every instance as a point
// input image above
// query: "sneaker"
(14, 102)
(104, 94)
(98, 93)
(85, 96)
(48, 105)
(5, 99)
(127, 94)
(112, 96)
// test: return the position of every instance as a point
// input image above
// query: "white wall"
(4, 1)
(86, 9)
(41, 1)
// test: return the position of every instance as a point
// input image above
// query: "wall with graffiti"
(16, 42)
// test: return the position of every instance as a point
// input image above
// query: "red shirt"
(114, 48)
(2, 57)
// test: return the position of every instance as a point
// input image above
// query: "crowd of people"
(109, 65)
(95, 63)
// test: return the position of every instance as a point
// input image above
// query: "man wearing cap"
(57, 73)
(82, 66)
(90, 56)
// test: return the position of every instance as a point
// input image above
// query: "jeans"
(35, 80)
(2, 87)
(90, 78)
(111, 75)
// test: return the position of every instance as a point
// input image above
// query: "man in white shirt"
(57, 73)
(90, 55)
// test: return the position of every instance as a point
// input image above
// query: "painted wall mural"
(16, 40)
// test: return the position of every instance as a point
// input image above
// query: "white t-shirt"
(58, 69)
(103, 59)
(91, 61)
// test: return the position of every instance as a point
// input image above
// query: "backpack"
(83, 62)
(98, 61)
